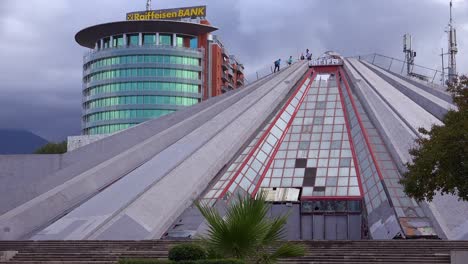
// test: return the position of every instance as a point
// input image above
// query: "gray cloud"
(40, 69)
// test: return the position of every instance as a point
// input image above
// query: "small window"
(118, 41)
(354, 206)
(194, 43)
(180, 41)
(149, 39)
(106, 43)
(133, 40)
(165, 39)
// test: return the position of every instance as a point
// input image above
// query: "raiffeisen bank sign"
(174, 13)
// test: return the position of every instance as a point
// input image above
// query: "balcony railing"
(138, 47)
(224, 77)
(224, 53)
(225, 65)
(230, 72)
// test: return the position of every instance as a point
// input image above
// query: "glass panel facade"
(144, 72)
(172, 80)
(194, 43)
(106, 43)
(247, 176)
(321, 207)
(149, 39)
(307, 147)
(126, 114)
(106, 129)
(317, 153)
(132, 59)
(143, 86)
(118, 41)
(141, 99)
(133, 39)
(180, 41)
(165, 39)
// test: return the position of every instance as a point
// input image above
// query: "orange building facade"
(223, 71)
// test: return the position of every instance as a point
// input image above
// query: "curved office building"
(139, 70)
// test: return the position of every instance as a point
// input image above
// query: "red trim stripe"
(273, 155)
(350, 136)
(364, 132)
(262, 138)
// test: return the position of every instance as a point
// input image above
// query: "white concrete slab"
(415, 115)
(100, 209)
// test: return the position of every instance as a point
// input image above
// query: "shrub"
(52, 148)
(187, 252)
(247, 232)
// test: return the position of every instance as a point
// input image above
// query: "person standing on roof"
(277, 65)
(290, 60)
(308, 55)
(302, 56)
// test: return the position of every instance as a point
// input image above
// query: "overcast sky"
(41, 65)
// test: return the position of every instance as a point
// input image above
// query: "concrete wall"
(159, 190)
(449, 215)
(452, 216)
(24, 177)
(102, 163)
(75, 142)
(396, 134)
(431, 103)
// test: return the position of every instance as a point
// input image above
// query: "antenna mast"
(410, 54)
(452, 50)
(148, 5)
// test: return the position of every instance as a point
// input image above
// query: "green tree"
(246, 233)
(52, 148)
(440, 159)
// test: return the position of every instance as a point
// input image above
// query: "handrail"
(428, 78)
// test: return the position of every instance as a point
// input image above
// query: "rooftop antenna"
(410, 54)
(148, 5)
(452, 50)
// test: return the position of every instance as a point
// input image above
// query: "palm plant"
(247, 233)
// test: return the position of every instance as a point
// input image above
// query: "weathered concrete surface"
(17, 174)
(24, 177)
(458, 257)
(395, 132)
(85, 177)
(174, 174)
(76, 142)
(428, 101)
(415, 116)
(449, 214)
(7, 255)
(452, 216)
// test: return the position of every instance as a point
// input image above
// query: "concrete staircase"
(368, 251)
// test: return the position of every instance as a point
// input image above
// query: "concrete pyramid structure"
(327, 143)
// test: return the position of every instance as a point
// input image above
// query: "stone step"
(393, 251)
